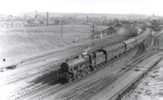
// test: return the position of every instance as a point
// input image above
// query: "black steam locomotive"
(82, 65)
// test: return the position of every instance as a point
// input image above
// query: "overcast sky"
(148, 7)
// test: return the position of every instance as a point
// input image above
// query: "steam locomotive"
(89, 61)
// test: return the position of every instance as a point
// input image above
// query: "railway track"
(92, 89)
(39, 89)
(138, 80)
(52, 90)
(43, 90)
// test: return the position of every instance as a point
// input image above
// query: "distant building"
(11, 21)
(11, 24)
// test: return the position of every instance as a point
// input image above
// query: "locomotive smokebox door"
(64, 67)
(63, 73)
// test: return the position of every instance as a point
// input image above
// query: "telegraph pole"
(61, 23)
(93, 28)
(47, 18)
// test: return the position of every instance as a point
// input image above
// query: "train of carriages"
(82, 65)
